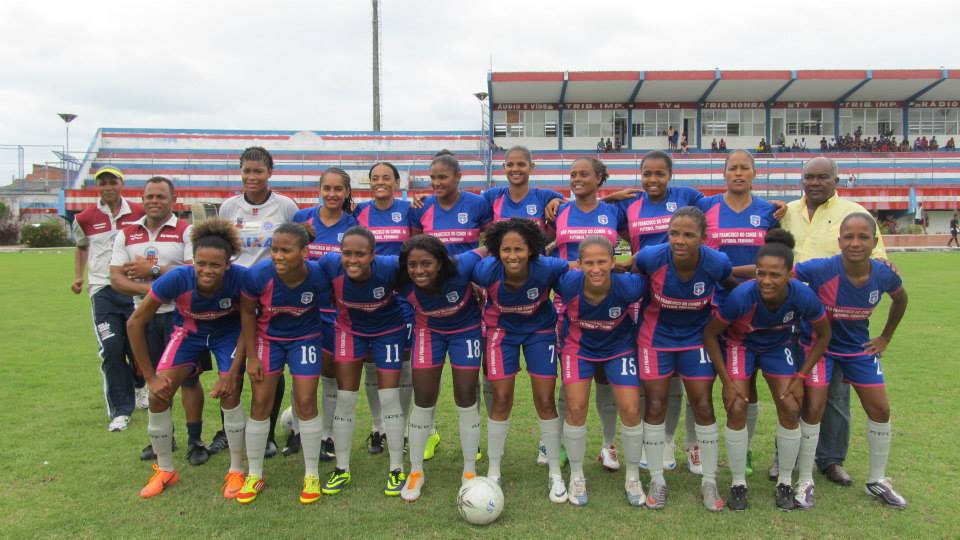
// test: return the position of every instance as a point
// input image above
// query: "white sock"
(632, 437)
(575, 440)
(674, 407)
(329, 389)
(160, 430)
(373, 397)
(469, 420)
(654, 438)
(690, 423)
(708, 439)
(234, 422)
(788, 446)
(607, 409)
(310, 440)
(256, 442)
(406, 388)
(496, 441)
(550, 435)
(878, 446)
(809, 437)
(393, 423)
(753, 412)
(736, 454)
(343, 422)
(421, 425)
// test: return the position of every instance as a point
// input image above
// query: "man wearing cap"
(94, 230)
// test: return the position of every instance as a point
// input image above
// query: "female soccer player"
(518, 314)
(683, 276)
(518, 199)
(369, 323)
(588, 216)
(454, 217)
(758, 317)
(597, 333)
(206, 296)
(447, 322)
(850, 286)
(281, 326)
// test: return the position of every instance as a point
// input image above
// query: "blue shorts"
(620, 370)
(860, 370)
(689, 364)
(186, 349)
(503, 353)
(431, 348)
(327, 320)
(781, 362)
(385, 349)
(301, 355)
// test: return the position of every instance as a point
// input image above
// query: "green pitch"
(62, 474)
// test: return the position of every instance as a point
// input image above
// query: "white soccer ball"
(480, 501)
(286, 421)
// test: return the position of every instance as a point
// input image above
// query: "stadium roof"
(901, 86)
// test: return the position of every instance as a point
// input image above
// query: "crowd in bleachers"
(856, 142)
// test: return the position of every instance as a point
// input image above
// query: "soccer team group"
(388, 290)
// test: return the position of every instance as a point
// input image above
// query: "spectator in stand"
(617, 145)
(920, 217)
(761, 146)
(781, 142)
(951, 145)
(924, 143)
(934, 145)
(670, 132)
(601, 146)
(954, 229)
(723, 145)
(675, 139)
(714, 146)
(803, 143)
(823, 144)
(609, 145)
(683, 143)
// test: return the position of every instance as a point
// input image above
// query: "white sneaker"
(119, 423)
(141, 397)
(558, 490)
(669, 456)
(542, 454)
(634, 491)
(803, 496)
(577, 494)
(412, 487)
(608, 458)
(693, 460)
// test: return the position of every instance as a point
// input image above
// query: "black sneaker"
(784, 497)
(376, 442)
(147, 454)
(293, 445)
(738, 498)
(218, 443)
(270, 450)
(327, 452)
(197, 453)
(883, 491)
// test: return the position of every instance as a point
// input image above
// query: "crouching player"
(206, 296)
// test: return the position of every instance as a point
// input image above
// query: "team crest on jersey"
(453, 297)
(603, 219)
(874, 297)
(379, 292)
(531, 209)
(788, 317)
(615, 312)
(225, 303)
(306, 298)
(396, 217)
(671, 206)
(152, 254)
(699, 287)
(340, 238)
(267, 225)
(463, 218)
(755, 220)
(533, 293)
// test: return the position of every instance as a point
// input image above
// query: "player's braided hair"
(345, 178)
(257, 153)
(297, 231)
(693, 213)
(527, 229)
(216, 233)
(599, 168)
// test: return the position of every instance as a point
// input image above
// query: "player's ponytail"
(216, 233)
(778, 243)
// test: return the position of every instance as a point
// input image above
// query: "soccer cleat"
(542, 454)
(431, 448)
(395, 481)
(270, 450)
(774, 473)
(738, 498)
(197, 454)
(803, 497)
(577, 493)
(232, 484)
(158, 482)
(711, 498)
(311, 490)
(635, 494)
(218, 443)
(335, 483)
(252, 486)
(327, 452)
(411, 489)
(657, 498)
(883, 491)
(141, 397)
(557, 489)
(293, 445)
(783, 495)
(119, 423)
(608, 458)
(147, 454)
(693, 460)
(669, 456)
(375, 440)
(749, 469)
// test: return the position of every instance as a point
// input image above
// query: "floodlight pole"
(67, 118)
(486, 151)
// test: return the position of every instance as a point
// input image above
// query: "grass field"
(62, 474)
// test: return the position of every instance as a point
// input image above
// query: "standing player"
(94, 230)
(256, 213)
(954, 231)
(518, 199)
(206, 321)
(597, 333)
(850, 286)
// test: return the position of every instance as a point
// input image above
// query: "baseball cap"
(109, 170)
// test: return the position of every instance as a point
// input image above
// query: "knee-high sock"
(373, 397)
(788, 446)
(607, 409)
(736, 454)
(654, 438)
(674, 407)
(708, 439)
(421, 425)
(255, 436)
(879, 435)
(277, 407)
(329, 389)
(343, 423)
(234, 422)
(562, 405)
(753, 412)
(550, 435)
(690, 422)
(393, 423)
(809, 436)
(310, 441)
(496, 441)
(469, 420)
(406, 388)
(575, 440)
(632, 437)
(160, 429)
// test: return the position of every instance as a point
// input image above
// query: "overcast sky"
(242, 64)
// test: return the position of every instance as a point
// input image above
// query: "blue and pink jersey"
(754, 326)
(391, 227)
(737, 234)
(454, 307)
(604, 331)
(286, 313)
(369, 308)
(459, 227)
(328, 238)
(848, 307)
(527, 309)
(197, 314)
(530, 207)
(573, 225)
(648, 221)
(675, 312)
